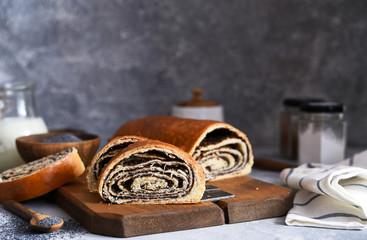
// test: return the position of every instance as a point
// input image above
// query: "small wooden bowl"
(32, 148)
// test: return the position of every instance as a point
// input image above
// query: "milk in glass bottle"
(17, 118)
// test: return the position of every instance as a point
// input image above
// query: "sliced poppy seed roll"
(152, 172)
(222, 150)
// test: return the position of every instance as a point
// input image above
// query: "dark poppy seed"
(12, 227)
(62, 138)
(49, 221)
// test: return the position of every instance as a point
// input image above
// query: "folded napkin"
(330, 196)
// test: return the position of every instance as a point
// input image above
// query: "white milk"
(12, 128)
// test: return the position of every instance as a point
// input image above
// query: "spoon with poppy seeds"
(37, 222)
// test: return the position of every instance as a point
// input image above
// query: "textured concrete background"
(99, 63)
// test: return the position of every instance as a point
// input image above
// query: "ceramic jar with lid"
(197, 108)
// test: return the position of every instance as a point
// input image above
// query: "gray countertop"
(273, 228)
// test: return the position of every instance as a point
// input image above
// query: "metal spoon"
(37, 222)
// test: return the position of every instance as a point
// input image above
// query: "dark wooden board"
(271, 159)
(133, 219)
(273, 164)
(254, 200)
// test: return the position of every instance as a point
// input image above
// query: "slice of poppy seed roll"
(41, 176)
(152, 172)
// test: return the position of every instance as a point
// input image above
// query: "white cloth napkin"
(330, 196)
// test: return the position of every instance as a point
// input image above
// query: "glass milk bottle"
(17, 118)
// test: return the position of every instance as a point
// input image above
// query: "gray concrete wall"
(101, 63)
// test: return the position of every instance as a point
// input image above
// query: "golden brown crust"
(186, 134)
(198, 188)
(166, 128)
(44, 180)
(92, 177)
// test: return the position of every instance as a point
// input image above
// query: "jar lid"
(323, 107)
(197, 100)
(296, 102)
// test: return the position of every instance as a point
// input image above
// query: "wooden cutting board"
(127, 220)
(254, 200)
